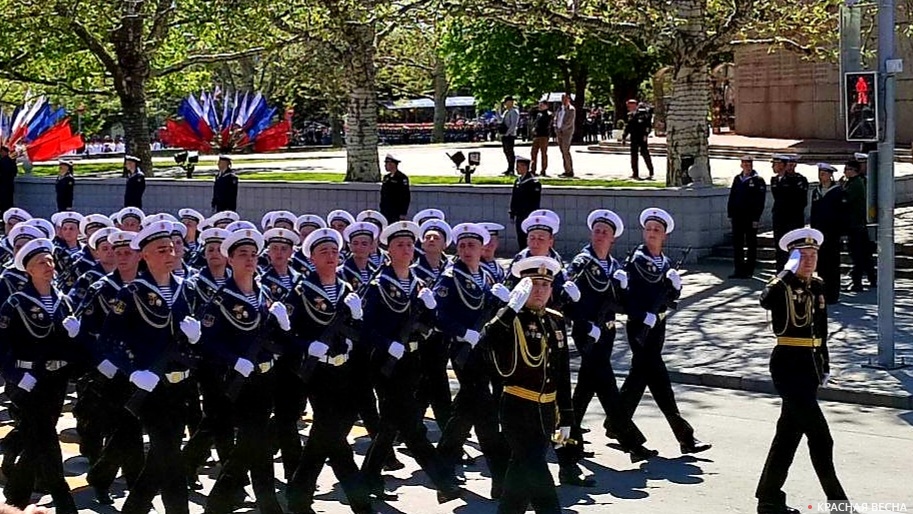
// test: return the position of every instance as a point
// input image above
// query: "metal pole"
(886, 190)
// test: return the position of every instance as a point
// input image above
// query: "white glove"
(573, 292)
(353, 302)
(427, 297)
(191, 328)
(825, 379)
(244, 367)
(145, 380)
(595, 332)
(278, 310)
(650, 319)
(471, 337)
(318, 349)
(564, 433)
(674, 278)
(27, 383)
(501, 292)
(71, 324)
(622, 277)
(107, 369)
(520, 294)
(793, 263)
(396, 350)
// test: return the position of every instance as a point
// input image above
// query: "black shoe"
(641, 453)
(769, 508)
(497, 489)
(195, 485)
(393, 464)
(695, 446)
(508, 174)
(449, 493)
(377, 489)
(573, 479)
(103, 497)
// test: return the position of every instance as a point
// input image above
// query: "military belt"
(176, 377)
(266, 366)
(48, 365)
(807, 342)
(335, 361)
(528, 394)
(413, 346)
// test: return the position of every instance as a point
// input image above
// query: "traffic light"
(861, 104)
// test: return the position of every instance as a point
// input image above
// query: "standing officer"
(64, 186)
(394, 191)
(465, 295)
(147, 329)
(858, 233)
(652, 284)
(225, 188)
(136, 182)
(323, 306)
(528, 346)
(525, 197)
(638, 126)
(790, 192)
(828, 215)
(36, 325)
(8, 172)
(746, 204)
(392, 314)
(236, 325)
(799, 364)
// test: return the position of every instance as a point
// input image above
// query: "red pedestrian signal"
(861, 104)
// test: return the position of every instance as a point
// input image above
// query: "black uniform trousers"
(434, 388)
(93, 420)
(474, 406)
(783, 224)
(521, 235)
(507, 145)
(123, 438)
(163, 416)
(335, 410)
(365, 397)
(639, 147)
(829, 265)
(401, 412)
(290, 397)
(597, 378)
(745, 245)
(860, 247)
(215, 429)
(251, 413)
(40, 460)
(800, 415)
(528, 428)
(649, 370)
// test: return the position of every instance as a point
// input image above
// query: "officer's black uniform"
(828, 214)
(790, 193)
(394, 196)
(638, 126)
(235, 326)
(746, 204)
(524, 199)
(34, 342)
(464, 299)
(136, 186)
(388, 308)
(797, 366)
(142, 333)
(649, 291)
(434, 388)
(8, 171)
(64, 187)
(225, 192)
(536, 400)
(331, 391)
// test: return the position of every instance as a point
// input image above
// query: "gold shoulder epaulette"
(555, 313)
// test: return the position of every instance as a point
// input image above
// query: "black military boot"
(695, 446)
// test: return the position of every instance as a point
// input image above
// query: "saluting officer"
(466, 293)
(490, 251)
(237, 325)
(528, 346)
(64, 186)
(799, 365)
(394, 191)
(525, 197)
(103, 390)
(136, 182)
(790, 192)
(747, 196)
(392, 312)
(36, 325)
(652, 284)
(225, 188)
(323, 306)
(147, 331)
(304, 225)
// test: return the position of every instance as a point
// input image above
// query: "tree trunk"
(336, 129)
(581, 77)
(362, 164)
(440, 100)
(130, 84)
(136, 125)
(689, 104)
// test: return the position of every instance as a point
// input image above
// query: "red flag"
(55, 142)
(178, 134)
(273, 138)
